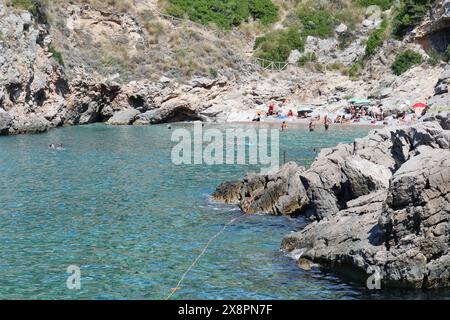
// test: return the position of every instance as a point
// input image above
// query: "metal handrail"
(264, 63)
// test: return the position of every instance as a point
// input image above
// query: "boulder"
(386, 92)
(416, 222)
(294, 56)
(341, 29)
(124, 117)
(5, 122)
(29, 124)
(281, 193)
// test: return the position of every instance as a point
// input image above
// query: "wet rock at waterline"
(124, 117)
(281, 193)
(382, 203)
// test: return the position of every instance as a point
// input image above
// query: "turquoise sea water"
(113, 204)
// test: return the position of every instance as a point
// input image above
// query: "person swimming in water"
(312, 126)
(57, 146)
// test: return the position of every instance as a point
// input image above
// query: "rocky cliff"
(382, 202)
(69, 64)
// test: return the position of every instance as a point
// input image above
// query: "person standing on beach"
(283, 126)
(326, 123)
(311, 126)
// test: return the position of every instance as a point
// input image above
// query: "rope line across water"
(202, 253)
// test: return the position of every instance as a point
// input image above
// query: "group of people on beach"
(326, 123)
(312, 124)
(358, 112)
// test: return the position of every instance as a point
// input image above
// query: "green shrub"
(376, 38)
(409, 15)
(277, 45)
(383, 4)
(28, 5)
(447, 54)
(307, 58)
(355, 69)
(56, 55)
(405, 60)
(318, 23)
(213, 73)
(263, 10)
(224, 13)
(435, 57)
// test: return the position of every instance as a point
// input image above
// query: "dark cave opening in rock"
(137, 102)
(14, 91)
(62, 87)
(39, 97)
(438, 40)
(182, 114)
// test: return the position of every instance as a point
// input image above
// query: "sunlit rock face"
(434, 32)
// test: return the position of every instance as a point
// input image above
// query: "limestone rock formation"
(32, 84)
(279, 193)
(381, 204)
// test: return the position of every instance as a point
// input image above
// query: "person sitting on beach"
(271, 109)
(338, 119)
(345, 120)
(257, 118)
(290, 113)
(353, 112)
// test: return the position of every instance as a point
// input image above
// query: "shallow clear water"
(113, 204)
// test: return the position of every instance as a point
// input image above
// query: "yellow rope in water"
(178, 287)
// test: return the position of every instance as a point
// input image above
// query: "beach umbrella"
(420, 105)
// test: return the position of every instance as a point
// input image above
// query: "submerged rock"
(383, 203)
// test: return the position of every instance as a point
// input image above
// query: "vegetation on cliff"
(225, 14)
(405, 61)
(383, 4)
(377, 38)
(409, 15)
(27, 5)
(308, 21)
(277, 45)
(447, 54)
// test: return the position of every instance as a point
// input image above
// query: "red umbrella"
(420, 105)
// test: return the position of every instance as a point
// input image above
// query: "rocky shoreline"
(381, 203)
(38, 92)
